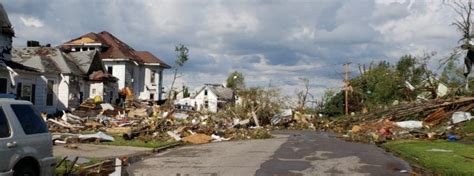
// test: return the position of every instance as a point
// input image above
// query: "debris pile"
(94, 121)
(433, 119)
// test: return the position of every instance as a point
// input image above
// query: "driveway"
(289, 153)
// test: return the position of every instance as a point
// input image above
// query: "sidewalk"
(99, 151)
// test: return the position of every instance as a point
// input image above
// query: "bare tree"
(181, 58)
(463, 23)
(303, 94)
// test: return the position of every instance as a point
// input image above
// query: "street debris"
(461, 117)
(433, 119)
(95, 121)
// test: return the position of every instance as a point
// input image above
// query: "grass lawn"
(453, 159)
(119, 141)
(468, 128)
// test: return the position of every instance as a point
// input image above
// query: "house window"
(3, 85)
(93, 91)
(206, 104)
(110, 69)
(49, 93)
(152, 96)
(152, 77)
(26, 92)
(205, 91)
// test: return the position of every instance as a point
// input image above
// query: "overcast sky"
(270, 41)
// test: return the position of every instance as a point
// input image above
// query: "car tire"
(24, 170)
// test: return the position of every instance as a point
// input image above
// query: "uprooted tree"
(382, 84)
(257, 104)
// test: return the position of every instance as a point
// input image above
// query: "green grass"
(468, 127)
(458, 162)
(139, 143)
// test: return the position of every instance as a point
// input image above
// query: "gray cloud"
(269, 41)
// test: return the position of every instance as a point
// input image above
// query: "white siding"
(118, 70)
(41, 88)
(137, 78)
(41, 94)
(211, 98)
(96, 89)
(144, 95)
(160, 85)
(63, 92)
(149, 86)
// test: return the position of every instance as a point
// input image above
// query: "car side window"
(30, 119)
(4, 127)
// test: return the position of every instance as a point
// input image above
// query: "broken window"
(49, 93)
(205, 91)
(206, 104)
(152, 96)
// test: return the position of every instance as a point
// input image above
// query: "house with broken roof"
(51, 79)
(8, 68)
(212, 97)
(139, 70)
(62, 80)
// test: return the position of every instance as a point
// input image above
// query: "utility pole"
(346, 87)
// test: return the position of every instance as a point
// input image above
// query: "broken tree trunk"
(255, 118)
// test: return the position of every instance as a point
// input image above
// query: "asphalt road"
(289, 153)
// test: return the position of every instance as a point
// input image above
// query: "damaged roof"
(5, 22)
(222, 93)
(46, 60)
(148, 58)
(84, 60)
(102, 76)
(114, 48)
(16, 66)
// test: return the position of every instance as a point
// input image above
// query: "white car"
(25, 142)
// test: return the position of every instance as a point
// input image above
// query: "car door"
(6, 142)
(36, 138)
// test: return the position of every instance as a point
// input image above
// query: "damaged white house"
(61, 81)
(211, 97)
(139, 70)
(46, 76)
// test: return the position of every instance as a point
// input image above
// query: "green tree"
(186, 92)
(235, 81)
